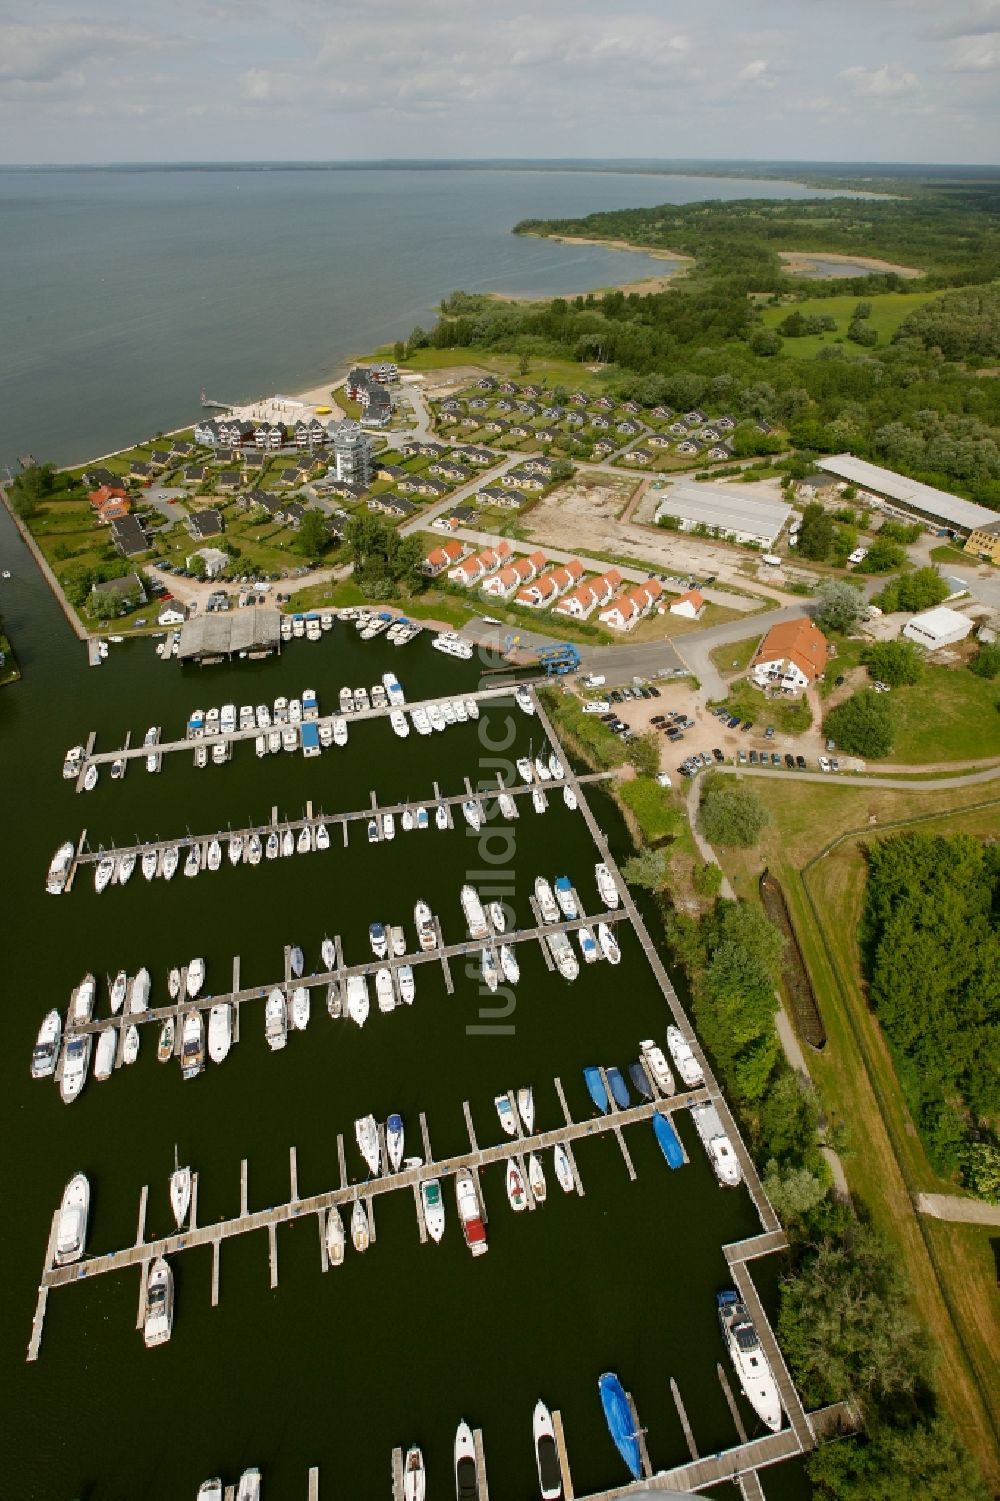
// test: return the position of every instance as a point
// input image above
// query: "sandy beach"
(642, 284)
(805, 260)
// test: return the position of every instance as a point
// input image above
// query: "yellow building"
(984, 541)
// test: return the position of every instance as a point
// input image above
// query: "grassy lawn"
(950, 715)
(791, 717)
(949, 1267)
(663, 627)
(734, 656)
(332, 595)
(651, 804)
(547, 372)
(888, 311)
(948, 554)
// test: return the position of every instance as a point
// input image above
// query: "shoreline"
(642, 285)
(798, 261)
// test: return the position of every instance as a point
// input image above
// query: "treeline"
(931, 951)
(963, 325)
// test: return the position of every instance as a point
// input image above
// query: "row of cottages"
(581, 602)
(473, 570)
(625, 612)
(544, 592)
(505, 584)
(791, 656)
(440, 558)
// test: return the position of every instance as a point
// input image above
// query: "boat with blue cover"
(621, 1423)
(669, 1141)
(595, 1088)
(640, 1081)
(618, 1087)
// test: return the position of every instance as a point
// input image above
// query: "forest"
(931, 952)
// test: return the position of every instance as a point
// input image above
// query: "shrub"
(841, 605)
(986, 662)
(862, 725)
(897, 663)
(730, 812)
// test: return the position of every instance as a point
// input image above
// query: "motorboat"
(441, 819)
(466, 1469)
(340, 731)
(210, 1490)
(388, 826)
(150, 860)
(192, 1045)
(73, 761)
(276, 1020)
(505, 1111)
(681, 1052)
(192, 861)
(668, 1140)
(509, 965)
(526, 1108)
(608, 943)
(74, 1212)
(260, 746)
(304, 843)
(287, 844)
(385, 993)
(596, 1089)
(59, 868)
(272, 848)
(524, 769)
(538, 800)
(249, 1486)
(546, 1454)
(76, 1062)
(414, 1475)
(195, 977)
(424, 919)
(119, 988)
(536, 1178)
(138, 1000)
(570, 797)
(310, 704)
(46, 1049)
(721, 1155)
(360, 1227)
(606, 887)
(420, 721)
(103, 872)
(334, 1000)
(621, 1421)
(489, 969)
(566, 897)
(433, 1206)
(473, 814)
(253, 850)
(84, 997)
(336, 1240)
(749, 1361)
(220, 752)
(524, 700)
(247, 717)
(379, 939)
(517, 1193)
(296, 960)
(104, 1056)
(289, 738)
(366, 1134)
(130, 1047)
(618, 1087)
(300, 1008)
(453, 645)
(397, 941)
(394, 1137)
(294, 711)
(220, 1031)
(474, 914)
(90, 777)
(357, 999)
(273, 742)
(472, 708)
(436, 717)
(361, 704)
(214, 858)
(406, 983)
(373, 833)
(588, 945)
(400, 723)
(212, 722)
(235, 849)
(262, 717)
(547, 905)
(406, 820)
(165, 1045)
(470, 1212)
(498, 916)
(159, 1305)
(656, 1063)
(181, 1185)
(321, 837)
(562, 953)
(171, 860)
(563, 1168)
(640, 1081)
(328, 954)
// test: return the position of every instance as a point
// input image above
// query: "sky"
(252, 80)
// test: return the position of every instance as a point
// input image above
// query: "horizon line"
(400, 162)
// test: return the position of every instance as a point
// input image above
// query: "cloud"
(759, 72)
(982, 20)
(976, 54)
(50, 57)
(880, 83)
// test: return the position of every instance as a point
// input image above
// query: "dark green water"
(396, 1346)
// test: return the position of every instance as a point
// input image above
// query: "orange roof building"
(792, 655)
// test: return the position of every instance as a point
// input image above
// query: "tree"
(841, 605)
(897, 663)
(883, 556)
(765, 342)
(523, 363)
(197, 565)
(816, 532)
(644, 754)
(730, 812)
(924, 1459)
(562, 469)
(986, 662)
(919, 590)
(793, 1191)
(399, 350)
(648, 869)
(862, 725)
(313, 538)
(708, 879)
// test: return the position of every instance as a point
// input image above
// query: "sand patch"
(801, 262)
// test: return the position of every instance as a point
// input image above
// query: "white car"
(599, 706)
(595, 680)
(824, 764)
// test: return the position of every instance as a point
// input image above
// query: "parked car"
(732, 722)
(753, 758)
(834, 764)
(801, 762)
(789, 761)
(775, 759)
(824, 764)
(719, 757)
(742, 758)
(599, 706)
(769, 732)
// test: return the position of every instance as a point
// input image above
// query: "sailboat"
(360, 1228)
(296, 960)
(536, 1177)
(335, 1237)
(517, 1193)
(509, 965)
(563, 1168)
(118, 990)
(130, 1047)
(180, 1192)
(621, 1422)
(505, 1111)
(366, 1134)
(165, 1046)
(394, 1136)
(328, 954)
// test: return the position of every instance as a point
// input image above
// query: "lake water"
(126, 293)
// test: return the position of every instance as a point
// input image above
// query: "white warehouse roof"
(937, 504)
(729, 508)
(938, 625)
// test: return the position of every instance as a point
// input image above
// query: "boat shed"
(214, 637)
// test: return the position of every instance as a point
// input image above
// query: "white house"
(792, 655)
(689, 606)
(171, 615)
(625, 612)
(938, 627)
(214, 558)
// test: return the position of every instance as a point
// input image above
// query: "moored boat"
(682, 1053)
(249, 1486)
(104, 1055)
(466, 1471)
(366, 1135)
(509, 965)
(472, 813)
(606, 887)
(474, 914)
(220, 1031)
(130, 1047)
(414, 1475)
(195, 977)
(165, 1046)
(192, 1045)
(276, 1020)
(360, 1227)
(46, 1049)
(563, 1168)
(524, 700)
(158, 1320)
(668, 1140)
(181, 1184)
(76, 1062)
(138, 1000)
(618, 1087)
(489, 969)
(657, 1066)
(526, 1108)
(749, 1361)
(547, 905)
(385, 994)
(538, 800)
(717, 1144)
(59, 867)
(406, 983)
(394, 1138)
(621, 1422)
(433, 1206)
(296, 960)
(596, 1089)
(336, 1240)
(562, 952)
(570, 797)
(640, 1081)
(517, 1193)
(546, 1454)
(103, 872)
(424, 919)
(357, 1002)
(506, 1113)
(470, 1212)
(379, 939)
(83, 999)
(536, 1178)
(71, 1230)
(566, 897)
(608, 943)
(588, 945)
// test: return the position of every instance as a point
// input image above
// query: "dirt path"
(955, 1207)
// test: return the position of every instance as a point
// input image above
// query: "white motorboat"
(536, 1178)
(498, 916)
(192, 861)
(276, 1020)
(171, 859)
(436, 717)
(524, 700)
(130, 1047)
(220, 752)
(441, 816)
(397, 941)
(447, 708)
(526, 1108)
(165, 1046)
(340, 731)
(249, 1486)
(321, 837)
(358, 1004)
(489, 969)
(158, 1319)
(336, 1240)
(749, 1361)
(366, 1134)
(400, 723)
(304, 843)
(566, 897)
(138, 1000)
(262, 717)
(433, 1206)
(681, 1052)
(73, 761)
(725, 1163)
(287, 844)
(90, 777)
(509, 965)
(424, 919)
(606, 887)
(360, 1228)
(388, 826)
(657, 1066)
(406, 983)
(84, 997)
(472, 708)
(192, 1045)
(563, 1168)
(59, 868)
(174, 984)
(473, 814)
(273, 742)
(253, 850)
(406, 820)
(289, 738)
(214, 860)
(272, 849)
(384, 992)
(474, 915)
(466, 1468)
(334, 1000)
(328, 954)
(300, 1008)
(76, 1062)
(453, 645)
(281, 709)
(506, 1113)
(119, 988)
(181, 1184)
(546, 1454)
(414, 1475)
(220, 1031)
(458, 709)
(103, 872)
(361, 704)
(394, 1138)
(235, 849)
(373, 834)
(507, 806)
(210, 1490)
(379, 939)
(608, 943)
(296, 960)
(570, 797)
(294, 711)
(517, 1190)
(420, 721)
(524, 769)
(74, 1212)
(260, 746)
(538, 800)
(195, 977)
(588, 945)
(470, 1213)
(547, 904)
(104, 1056)
(46, 1049)
(561, 950)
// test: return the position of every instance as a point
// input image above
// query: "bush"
(986, 662)
(730, 812)
(919, 590)
(816, 533)
(648, 869)
(883, 556)
(644, 754)
(841, 605)
(862, 725)
(897, 663)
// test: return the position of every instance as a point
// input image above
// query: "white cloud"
(976, 54)
(753, 70)
(880, 83)
(982, 19)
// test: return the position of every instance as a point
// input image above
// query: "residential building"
(112, 509)
(504, 500)
(104, 493)
(127, 591)
(984, 541)
(396, 506)
(938, 627)
(440, 558)
(581, 602)
(627, 609)
(791, 656)
(207, 523)
(206, 432)
(140, 472)
(690, 606)
(194, 474)
(129, 537)
(229, 479)
(214, 558)
(503, 584)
